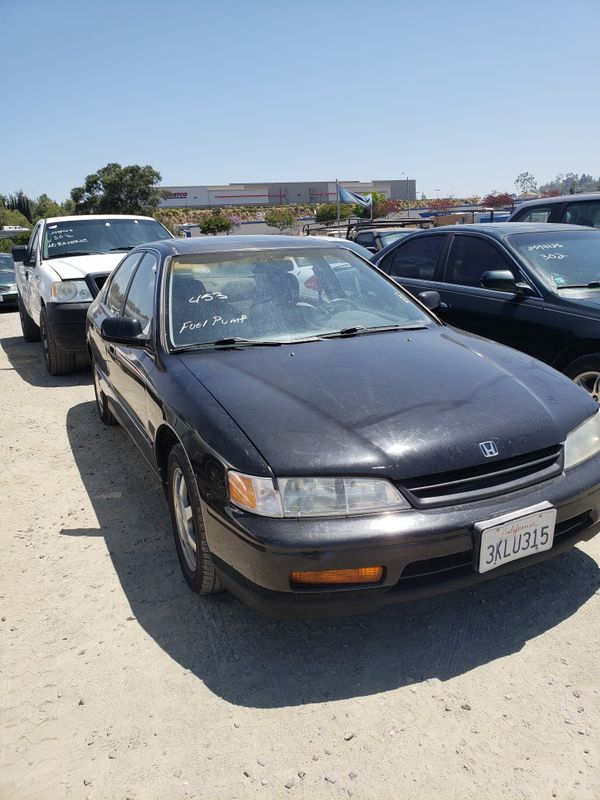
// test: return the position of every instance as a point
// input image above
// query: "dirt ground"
(117, 682)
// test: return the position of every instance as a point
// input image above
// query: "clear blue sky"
(460, 95)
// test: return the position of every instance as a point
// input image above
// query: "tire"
(58, 361)
(585, 372)
(102, 406)
(31, 331)
(188, 525)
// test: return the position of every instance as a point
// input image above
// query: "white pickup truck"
(63, 268)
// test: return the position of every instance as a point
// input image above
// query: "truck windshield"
(89, 236)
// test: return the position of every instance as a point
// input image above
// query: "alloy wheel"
(184, 518)
(590, 381)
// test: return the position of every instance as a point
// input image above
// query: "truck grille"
(485, 480)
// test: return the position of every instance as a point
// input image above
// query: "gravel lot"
(118, 683)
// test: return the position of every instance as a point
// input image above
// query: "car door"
(513, 319)
(414, 263)
(28, 275)
(131, 364)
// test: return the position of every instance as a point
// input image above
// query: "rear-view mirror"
(501, 280)
(430, 300)
(124, 330)
(19, 253)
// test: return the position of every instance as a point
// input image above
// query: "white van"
(63, 268)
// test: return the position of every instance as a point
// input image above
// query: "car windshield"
(566, 258)
(88, 236)
(282, 296)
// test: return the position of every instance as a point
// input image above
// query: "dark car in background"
(534, 287)
(8, 281)
(571, 209)
(333, 456)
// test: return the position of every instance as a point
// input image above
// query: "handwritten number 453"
(207, 297)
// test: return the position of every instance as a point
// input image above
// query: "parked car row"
(327, 445)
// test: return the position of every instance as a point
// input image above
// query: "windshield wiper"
(231, 341)
(76, 253)
(358, 330)
(590, 285)
(125, 247)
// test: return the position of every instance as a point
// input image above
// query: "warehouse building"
(296, 193)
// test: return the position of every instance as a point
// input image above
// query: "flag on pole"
(346, 196)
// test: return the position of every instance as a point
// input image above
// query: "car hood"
(586, 299)
(80, 266)
(403, 404)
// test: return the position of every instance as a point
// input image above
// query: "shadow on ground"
(255, 661)
(27, 359)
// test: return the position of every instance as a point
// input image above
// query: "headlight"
(71, 292)
(583, 442)
(313, 497)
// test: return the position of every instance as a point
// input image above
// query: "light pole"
(437, 192)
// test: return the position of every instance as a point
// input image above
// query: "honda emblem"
(488, 449)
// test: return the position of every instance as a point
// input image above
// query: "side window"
(33, 245)
(470, 257)
(119, 281)
(140, 297)
(583, 214)
(415, 259)
(538, 214)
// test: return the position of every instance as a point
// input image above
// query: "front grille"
(98, 282)
(485, 480)
(431, 571)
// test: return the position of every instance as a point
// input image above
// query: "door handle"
(111, 349)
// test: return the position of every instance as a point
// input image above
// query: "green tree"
(525, 182)
(47, 207)
(114, 189)
(381, 207)
(280, 218)
(216, 223)
(328, 212)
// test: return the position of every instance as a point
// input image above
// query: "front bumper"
(424, 553)
(66, 322)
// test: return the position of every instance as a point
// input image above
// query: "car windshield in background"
(281, 296)
(89, 236)
(569, 258)
(7, 266)
(388, 238)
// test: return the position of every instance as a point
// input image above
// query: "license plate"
(514, 536)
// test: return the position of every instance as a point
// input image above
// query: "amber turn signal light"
(338, 576)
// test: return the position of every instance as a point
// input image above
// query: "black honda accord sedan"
(332, 450)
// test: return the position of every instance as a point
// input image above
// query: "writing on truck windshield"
(88, 237)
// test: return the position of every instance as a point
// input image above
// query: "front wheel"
(31, 332)
(188, 525)
(585, 372)
(58, 361)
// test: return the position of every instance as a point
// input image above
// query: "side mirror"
(124, 330)
(19, 253)
(430, 300)
(501, 280)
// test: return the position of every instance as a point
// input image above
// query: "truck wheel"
(58, 361)
(31, 332)
(585, 372)
(188, 525)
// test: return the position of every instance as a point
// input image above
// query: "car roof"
(563, 198)
(501, 229)
(97, 217)
(212, 244)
